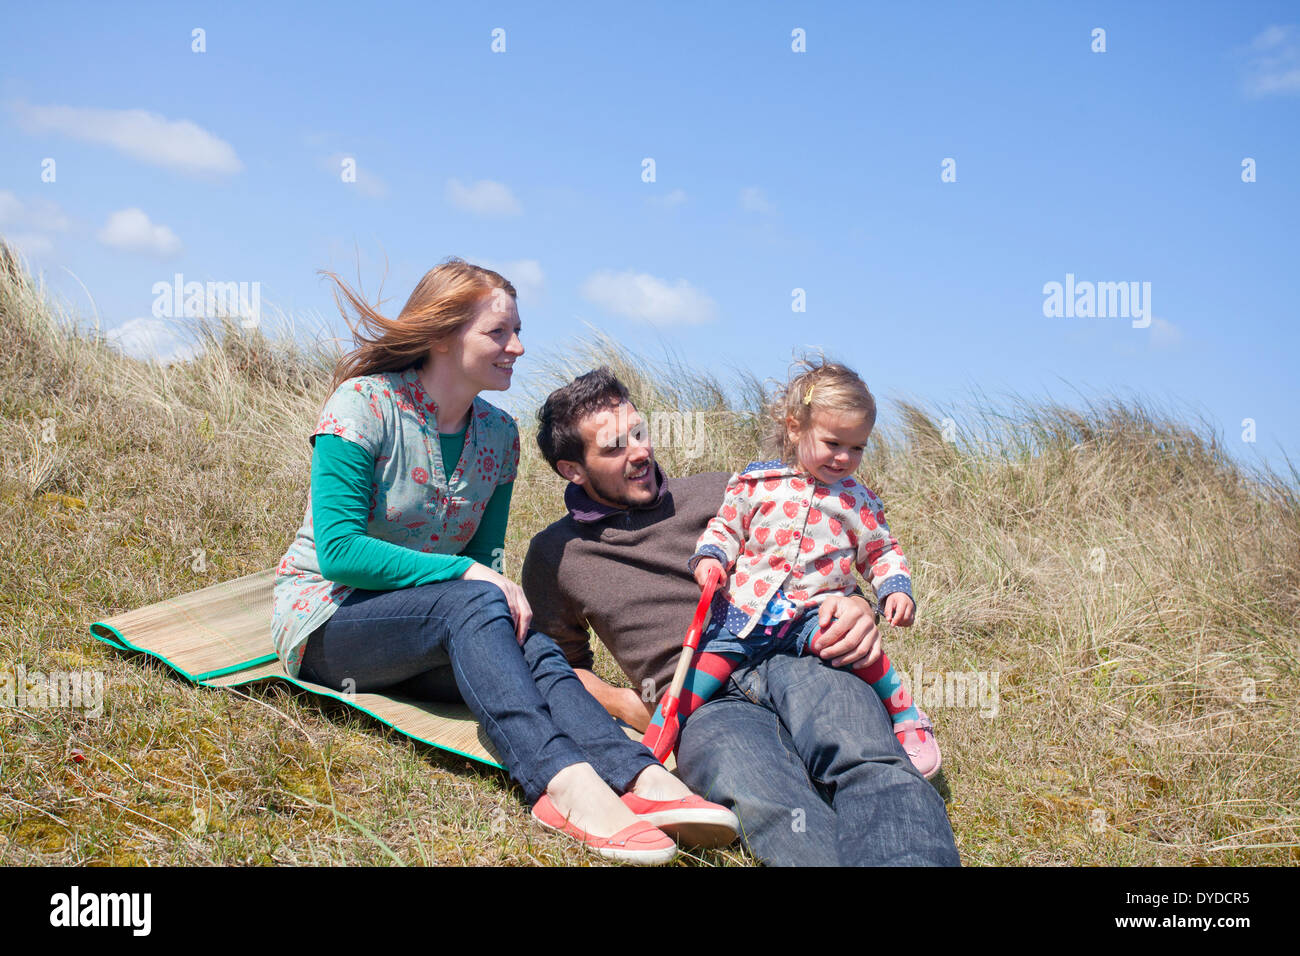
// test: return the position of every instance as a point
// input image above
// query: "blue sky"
(774, 170)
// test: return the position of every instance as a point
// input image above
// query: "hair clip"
(807, 399)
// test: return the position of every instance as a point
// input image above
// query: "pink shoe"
(639, 843)
(692, 820)
(917, 738)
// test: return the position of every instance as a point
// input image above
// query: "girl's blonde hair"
(441, 304)
(820, 386)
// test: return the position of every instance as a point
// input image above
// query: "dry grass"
(1147, 706)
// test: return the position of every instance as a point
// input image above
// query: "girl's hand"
(899, 609)
(702, 570)
(519, 606)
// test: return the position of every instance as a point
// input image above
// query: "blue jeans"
(806, 757)
(456, 640)
(791, 637)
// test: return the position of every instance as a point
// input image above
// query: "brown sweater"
(623, 573)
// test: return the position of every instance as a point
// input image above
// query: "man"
(804, 753)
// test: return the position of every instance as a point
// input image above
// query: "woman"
(392, 582)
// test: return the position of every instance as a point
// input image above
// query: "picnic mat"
(220, 636)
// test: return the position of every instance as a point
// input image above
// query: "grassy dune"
(1134, 592)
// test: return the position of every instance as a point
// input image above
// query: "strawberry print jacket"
(781, 530)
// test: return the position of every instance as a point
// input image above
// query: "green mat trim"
(223, 671)
(122, 644)
(111, 636)
(342, 698)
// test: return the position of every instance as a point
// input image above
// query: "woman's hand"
(519, 607)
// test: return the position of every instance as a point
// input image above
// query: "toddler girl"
(788, 537)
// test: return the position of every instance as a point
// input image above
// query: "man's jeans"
(456, 640)
(805, 755)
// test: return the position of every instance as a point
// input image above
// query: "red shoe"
(692, 820)
(639, 843)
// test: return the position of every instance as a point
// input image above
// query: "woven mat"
(220, 636)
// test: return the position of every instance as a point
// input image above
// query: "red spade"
(663, 744)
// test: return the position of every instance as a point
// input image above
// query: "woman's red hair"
(441, 304)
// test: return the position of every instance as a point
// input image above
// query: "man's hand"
(848, 632)
(621, 702)
(899, 610)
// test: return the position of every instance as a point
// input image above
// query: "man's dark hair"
(565, 408)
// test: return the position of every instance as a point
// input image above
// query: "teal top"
(341, 477)
(393, 504)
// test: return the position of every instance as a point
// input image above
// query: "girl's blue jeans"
(455, 640)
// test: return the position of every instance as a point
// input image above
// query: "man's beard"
(618, 498)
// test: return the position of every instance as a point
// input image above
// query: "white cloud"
(41, 215)
(1270, 37)
(753, 200)
(367, 183)
(485, 197)
(151, 340)
(11, 209)
(674, 198)
(641, 296)
(1274, 61)
(32, 224)
(524, 274)
(30, 244)
(1164, 334)
(149, 137)
(131, 230)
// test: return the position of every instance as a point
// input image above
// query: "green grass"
(1127, 732)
